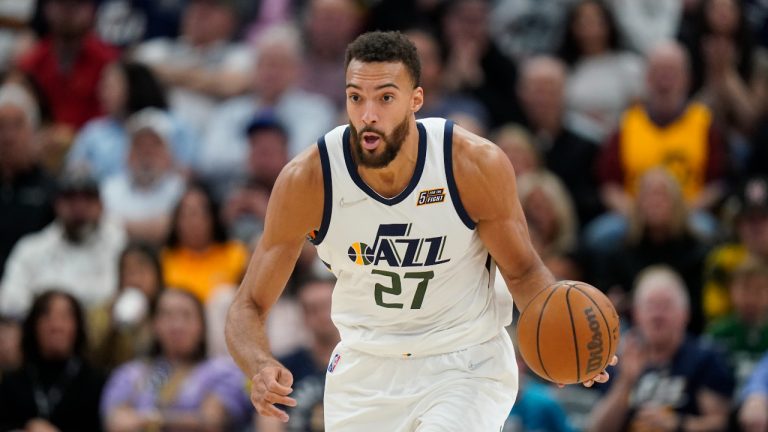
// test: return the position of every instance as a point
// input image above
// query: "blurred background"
(140, 140)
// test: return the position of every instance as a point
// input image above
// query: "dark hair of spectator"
(202, 347)
(219, 231)
(386, 47)
(151, 255)
(143, 89)
(30, 345)
(742, 40)
(569, 50)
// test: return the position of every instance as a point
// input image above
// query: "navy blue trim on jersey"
(325, 163)
(452, 189)
(352, 168)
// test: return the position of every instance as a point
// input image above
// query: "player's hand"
(269, 387)
(602, 376)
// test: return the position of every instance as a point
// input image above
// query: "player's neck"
(394, 178)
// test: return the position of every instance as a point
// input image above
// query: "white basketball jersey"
(413, 277)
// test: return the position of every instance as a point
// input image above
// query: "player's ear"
(417, 99)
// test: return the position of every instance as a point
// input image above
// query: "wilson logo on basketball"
(431, 196)
(595, 345)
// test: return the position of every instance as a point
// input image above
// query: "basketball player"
(410, 217)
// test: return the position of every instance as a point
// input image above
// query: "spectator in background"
(15, 33)
(667, 131)
(549, 212)
(124, 23)
(76, 253)
(144, 196)
(526, 28)
(305, 115)
(517, 144)
(744, 333)
(724, 64)
(10, 345)
(646, 24)
(55, 389)
(751, 226)
(667, 381)
(198, 257)
(201, 67)
(246, 206)
(308, 365)
(121, 329)
(474, 64)
(753, 413)
(176, 388)
(603, 79)
(66, 64)
(329, 26)
(27, 190)
(438, 101)
(565, 153)
(102, 145)
(659, 233)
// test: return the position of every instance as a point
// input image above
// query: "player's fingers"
(275, 387)
(588, 383)
(602, 377)
(268, 410)
(275, 398)
(614, 361)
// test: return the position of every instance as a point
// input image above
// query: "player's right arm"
(295, 208)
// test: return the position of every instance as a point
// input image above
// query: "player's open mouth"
(370, 141)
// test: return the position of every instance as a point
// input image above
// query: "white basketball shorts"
(471, 390)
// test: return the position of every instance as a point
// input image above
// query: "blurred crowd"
(140, 140)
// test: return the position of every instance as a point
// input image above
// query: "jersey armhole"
(452, 189)
(325, 163)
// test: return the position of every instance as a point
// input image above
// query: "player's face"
(381, 101)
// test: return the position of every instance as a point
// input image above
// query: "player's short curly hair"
(387, 47)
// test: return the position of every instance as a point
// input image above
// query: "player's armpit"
(487, 188)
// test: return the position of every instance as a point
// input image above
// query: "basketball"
(568, 333)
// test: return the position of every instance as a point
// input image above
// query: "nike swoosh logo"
(473, 366)
(343, 203)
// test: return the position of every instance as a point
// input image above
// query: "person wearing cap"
(751, 228)
(77, 252)
(144, 195)
(27, 189)
(202, 66)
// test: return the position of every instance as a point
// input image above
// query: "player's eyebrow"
(378, 87)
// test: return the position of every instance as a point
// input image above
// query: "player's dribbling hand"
(269, 387)
(600, 378)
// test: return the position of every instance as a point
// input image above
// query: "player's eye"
(388, 98)
(354, 98)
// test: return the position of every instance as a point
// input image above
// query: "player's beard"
(392, 143)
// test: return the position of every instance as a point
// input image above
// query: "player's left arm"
(486, 183)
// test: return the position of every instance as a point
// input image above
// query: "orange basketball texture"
(568, 333)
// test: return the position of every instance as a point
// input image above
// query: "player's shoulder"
(303, 171)
(475, 155)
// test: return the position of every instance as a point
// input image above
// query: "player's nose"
(370, 116)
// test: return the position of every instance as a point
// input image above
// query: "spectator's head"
(590, 29)
(205, 22)
(10, 344)
(549, 211)
(315, 300)
(78, 205)
(466, 21)
(19, 117)
(668, 78)
(659, 208)
(541, 89)
(149, 155)
(517, 144)
(179, 327)
(382, 67)
(54, 329)
(430, 57)
(722, 17)
(139, 267)
(127, 87)
(278, 62)
(749, 291)
(752, 220)
(331, 24)
(660, 307)
(268, 154)
(196, 222)
(69, 19)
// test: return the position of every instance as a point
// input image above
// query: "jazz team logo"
(394, 246)
(431, 196)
